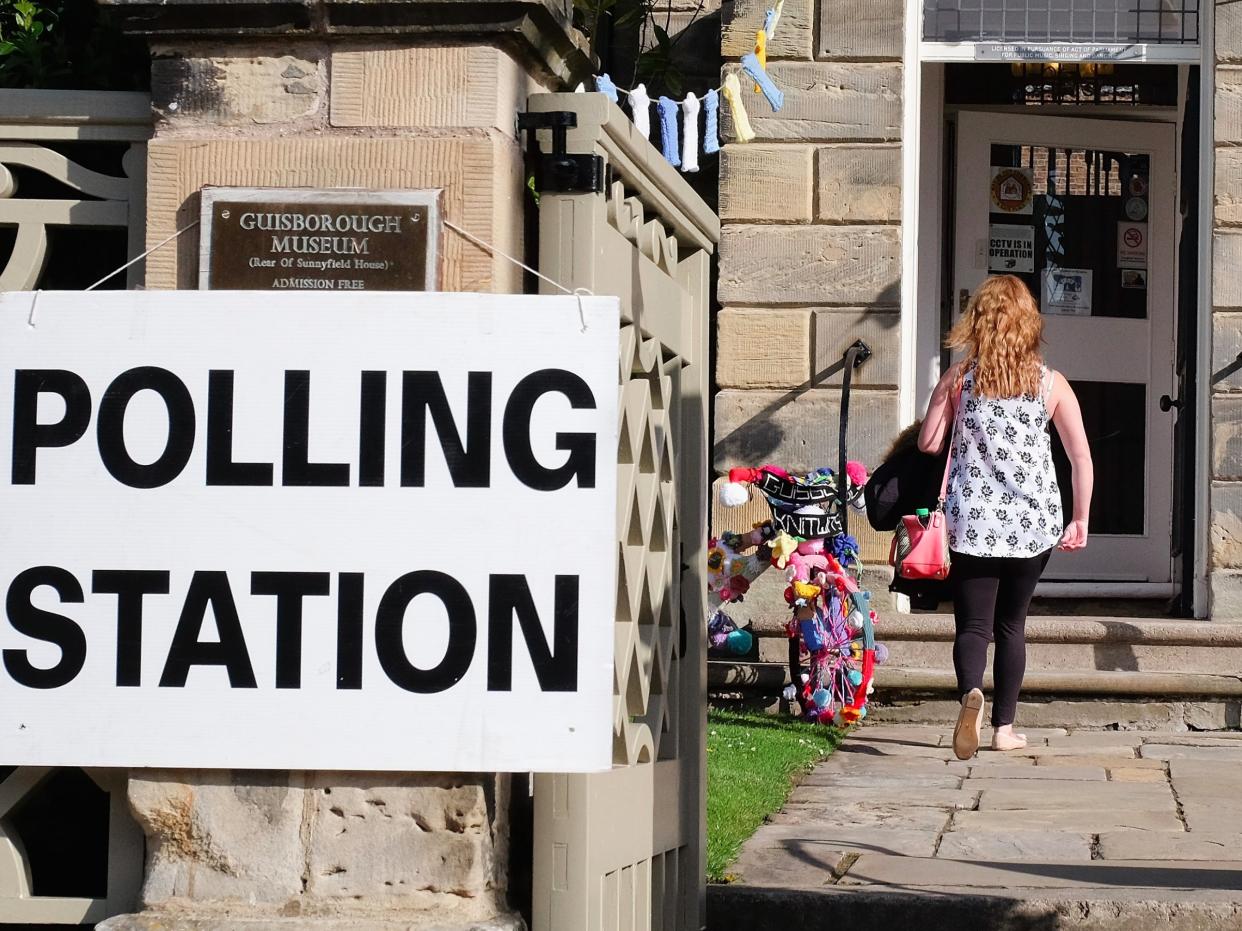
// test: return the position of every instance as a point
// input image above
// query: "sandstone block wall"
(353, 114)
(810, 254)
(284, 845)
(1225, 365)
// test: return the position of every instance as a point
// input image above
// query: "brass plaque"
(273, 239)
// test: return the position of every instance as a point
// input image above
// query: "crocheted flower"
(715, 560)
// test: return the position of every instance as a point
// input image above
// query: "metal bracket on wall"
(558, 171)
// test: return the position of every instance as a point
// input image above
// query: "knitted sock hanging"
(732, 91)
(603, 84)
(711, 132)
(668, 131)
(690, 134)
(640, 110)
(752, 66)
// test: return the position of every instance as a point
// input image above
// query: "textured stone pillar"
(373, 95)
(810, 252)
(1226, 415)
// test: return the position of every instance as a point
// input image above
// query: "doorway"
(1084, 211)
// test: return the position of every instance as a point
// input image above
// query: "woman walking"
(1003, 505)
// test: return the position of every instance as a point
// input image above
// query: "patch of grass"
(752, 759)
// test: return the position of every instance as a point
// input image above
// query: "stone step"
(770, 678)
(1064, 629)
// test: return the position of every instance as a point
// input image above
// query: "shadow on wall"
(759, 436)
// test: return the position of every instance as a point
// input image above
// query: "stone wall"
(810, 254)
(1225, 367)
(392, 116)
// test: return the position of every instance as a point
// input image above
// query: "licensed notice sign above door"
(308, 531)
(303, 239)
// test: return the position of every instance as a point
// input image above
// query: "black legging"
(991, 596)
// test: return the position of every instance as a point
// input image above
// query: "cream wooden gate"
(53, 146)
(625, 849)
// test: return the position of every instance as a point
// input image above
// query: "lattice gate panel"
(625, 849)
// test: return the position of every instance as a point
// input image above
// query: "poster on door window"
(1066, 291)
(1134, 278)
(1012, 190)
(1011, 248)
(1131, 245)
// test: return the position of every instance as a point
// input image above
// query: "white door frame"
(922, 182)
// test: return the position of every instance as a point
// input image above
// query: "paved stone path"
(1120, 816)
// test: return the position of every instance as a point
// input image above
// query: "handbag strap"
(948, 461)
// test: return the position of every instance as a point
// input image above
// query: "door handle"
(1167, 403)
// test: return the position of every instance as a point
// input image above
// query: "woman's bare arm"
(939, 413)
(1067, 417)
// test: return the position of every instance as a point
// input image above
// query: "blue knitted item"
(603, 84)
(711, 111)
(756, 72)
(668, 131)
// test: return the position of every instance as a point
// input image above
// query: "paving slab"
(1137, 775)
(1158, 845)
(1206, 788)
(791, 865)
(876, 749)
(832, 796)
(1108, 762)
(1098, 739)
(1200, 739)
(880, 869)
(1062, 819)
(1213, 815)
(1095, 751)
(1132, 796)
(1018, 845)
(798, 838)
(1185, 752)
(1063, 773)
(904, 817)
(1046, 788)
(828, 779)
(992, 760)
(1225, 770)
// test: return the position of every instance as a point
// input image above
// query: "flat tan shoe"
(969, 723)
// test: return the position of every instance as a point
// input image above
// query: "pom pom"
(821, 698)
(826, 716)
(789, 693)
(739, 642)
(862, 712)
(881, 653)
(734, 494)
(857, 472)
(855, 678)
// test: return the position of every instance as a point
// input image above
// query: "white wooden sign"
(308, 531)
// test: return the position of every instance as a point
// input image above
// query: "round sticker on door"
(1011, 190)
(1138, 185)
(1136, 208)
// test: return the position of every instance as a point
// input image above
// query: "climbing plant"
(638, 32)
(67, 44)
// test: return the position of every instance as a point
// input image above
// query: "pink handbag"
(920, 547)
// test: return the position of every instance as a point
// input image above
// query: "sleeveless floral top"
(1003, 498)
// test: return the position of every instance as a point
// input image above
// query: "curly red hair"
(1000, 333)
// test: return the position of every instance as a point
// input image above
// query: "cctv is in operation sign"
(307, 531)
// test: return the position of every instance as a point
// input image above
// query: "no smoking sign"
(1131, 245)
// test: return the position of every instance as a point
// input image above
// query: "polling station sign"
(308, 531)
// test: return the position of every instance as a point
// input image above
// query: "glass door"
(1083, 211)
